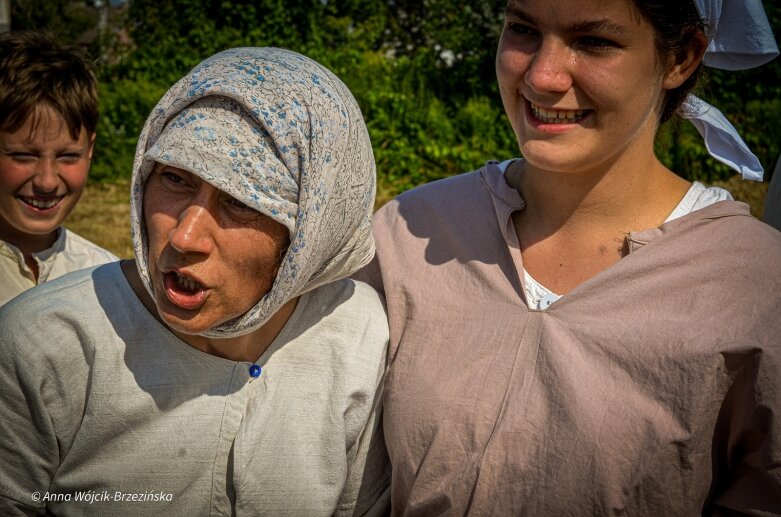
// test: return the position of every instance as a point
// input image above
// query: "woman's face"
(211, 258)
(581, 81)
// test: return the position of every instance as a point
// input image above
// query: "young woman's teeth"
(557, 117)
(186, 283)
(40, 203)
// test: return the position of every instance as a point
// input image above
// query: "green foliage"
(125, 105)
(69, 20)
(421, 70)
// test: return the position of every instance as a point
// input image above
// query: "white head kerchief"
(739, 37)
(282, 134)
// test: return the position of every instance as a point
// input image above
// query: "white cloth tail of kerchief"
(739, 34)
(721, 138)
(739, 38)
(303, 158)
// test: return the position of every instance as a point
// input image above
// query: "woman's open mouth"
(183, 291)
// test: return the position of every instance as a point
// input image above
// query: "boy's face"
(42, 176)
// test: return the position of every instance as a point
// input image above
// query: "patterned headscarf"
(283, 135)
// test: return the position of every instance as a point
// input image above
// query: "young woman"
(232, 369)
(583, 332)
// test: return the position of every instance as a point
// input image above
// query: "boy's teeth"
(38, 203)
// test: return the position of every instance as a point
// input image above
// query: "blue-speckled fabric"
(284, 135)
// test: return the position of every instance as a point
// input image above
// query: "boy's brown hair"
(35, 70)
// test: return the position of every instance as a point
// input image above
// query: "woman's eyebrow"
(603, 25)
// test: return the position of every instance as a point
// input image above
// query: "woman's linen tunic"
(650, 389)
(106, 399)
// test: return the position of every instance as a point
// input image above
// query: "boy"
(48, 115)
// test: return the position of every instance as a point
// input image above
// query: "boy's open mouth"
(41, 203)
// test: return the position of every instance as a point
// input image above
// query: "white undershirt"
(699, 196)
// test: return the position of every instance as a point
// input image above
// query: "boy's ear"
(685, 63)
(91, 144)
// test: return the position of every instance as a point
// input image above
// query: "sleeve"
(33, 398)
(367, 491)
(747, 439)
(367, 487)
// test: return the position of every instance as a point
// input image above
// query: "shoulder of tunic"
(91, 254)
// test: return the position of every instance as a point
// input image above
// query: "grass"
(103, 214)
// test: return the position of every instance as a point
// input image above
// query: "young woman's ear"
(685, 63)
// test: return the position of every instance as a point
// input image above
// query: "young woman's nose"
(193, 231)
(550, 67)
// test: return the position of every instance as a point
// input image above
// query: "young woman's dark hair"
(676, 23)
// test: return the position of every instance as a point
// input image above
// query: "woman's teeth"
(41, 203)
(186, 283)
(557, 117)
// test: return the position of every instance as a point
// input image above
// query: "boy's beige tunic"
(651, 389)
(70, 252)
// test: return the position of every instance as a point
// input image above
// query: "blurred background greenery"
(421, 70)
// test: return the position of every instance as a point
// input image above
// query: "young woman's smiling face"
(211, 258)
(581, 81)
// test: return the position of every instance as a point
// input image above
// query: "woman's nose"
(550, 68)
(193, 232)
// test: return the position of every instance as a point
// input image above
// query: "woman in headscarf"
(581, 331)
(232, 369)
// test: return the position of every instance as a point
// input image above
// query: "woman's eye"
(235, 203)
(171, 177)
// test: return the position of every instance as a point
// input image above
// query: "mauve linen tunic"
(651, 389)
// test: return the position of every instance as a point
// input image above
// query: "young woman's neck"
(629, 193)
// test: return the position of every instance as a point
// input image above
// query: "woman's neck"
(248, 347)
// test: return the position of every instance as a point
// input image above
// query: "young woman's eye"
(597, 44)
(519, 29)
